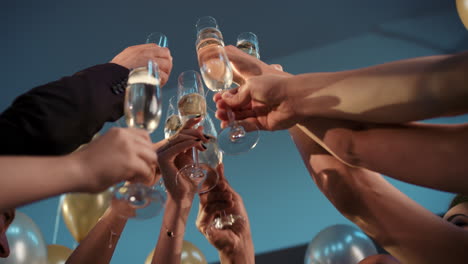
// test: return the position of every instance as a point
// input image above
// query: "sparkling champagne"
(213, 61)
(142, 104)
(248, 48)
(173, 124)
(191, 105)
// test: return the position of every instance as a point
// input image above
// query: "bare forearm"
(171, 236)
(387, 215)
(99, 245)
(414, 153)
(396, 92)
(28, 179)
(244, 255)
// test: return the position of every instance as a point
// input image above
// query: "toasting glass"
(217, 74)
(142, 109)
(248, 43)
(192, 104)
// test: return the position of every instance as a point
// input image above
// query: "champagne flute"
(142, 109)
(158, 38)
(248, 43)
(173, 122)
(211, 157)
(217, 74)
(192, 104)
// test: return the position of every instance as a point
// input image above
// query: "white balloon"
(26, 242)
(339, 244)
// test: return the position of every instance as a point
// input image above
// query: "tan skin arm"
(414, 153)
(404, 228)
(172, 156)
(234, 244)
(95, 248)
(128, 156)
(99, 245)
(396, 92)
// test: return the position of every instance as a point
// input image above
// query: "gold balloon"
(81, 211)
(190, 255)
(57, 254)
(462, 7)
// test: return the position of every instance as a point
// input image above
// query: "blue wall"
(44, 40)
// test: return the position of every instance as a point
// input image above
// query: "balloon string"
(57, 220)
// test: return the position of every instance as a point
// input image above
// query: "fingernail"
(206, 136)
(227, 95)
(203, 145)
(197, 116)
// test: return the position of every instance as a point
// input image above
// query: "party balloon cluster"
(80, 212)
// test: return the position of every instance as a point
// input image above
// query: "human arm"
(234, 244)
(405, 229)
(424, 154)
(173, 155)
(395, 92)
(119, 155)
(56, 118)
(100, 243)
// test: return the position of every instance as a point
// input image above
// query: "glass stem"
(231, 118)
(195, 156)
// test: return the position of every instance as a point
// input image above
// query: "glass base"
(203, 176)
(226, 221)
(146, 201)
(235, 140)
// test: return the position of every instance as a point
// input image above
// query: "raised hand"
(122, 154)
(139, 55)
(234, 242)
(174, 154)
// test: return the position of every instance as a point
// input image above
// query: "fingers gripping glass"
(217, 75)
(192, 104)
(142, 109)
(211, 157)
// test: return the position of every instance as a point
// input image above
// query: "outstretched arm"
(422, 154)
(173, 155)
(99, 245)
(57, 117)
(395, 92)
(234, 243)
(395, 221)
(119, 155)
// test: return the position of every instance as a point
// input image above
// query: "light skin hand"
(176, 153)
(246, 66)
(139, 55)
(122, 154)
(260, 100)
(232, 243)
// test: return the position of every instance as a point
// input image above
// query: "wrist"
(241, 255)
(292, 97)
(242, 252)
(78, 176)
(179, 204)
(181, 201)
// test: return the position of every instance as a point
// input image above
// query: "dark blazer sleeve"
(56, 118)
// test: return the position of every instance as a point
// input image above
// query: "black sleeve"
(56, 118)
